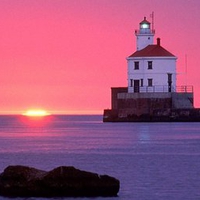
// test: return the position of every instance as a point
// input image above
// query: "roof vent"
(158, 41)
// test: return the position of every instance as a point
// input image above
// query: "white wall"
(161, 67)
(143, 40)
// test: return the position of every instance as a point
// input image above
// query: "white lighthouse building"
(151, 93)
(151, 68)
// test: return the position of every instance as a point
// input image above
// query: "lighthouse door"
(136, 86)
(169, 82)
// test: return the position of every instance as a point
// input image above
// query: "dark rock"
(22, 181)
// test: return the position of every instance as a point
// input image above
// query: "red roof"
(152, 51)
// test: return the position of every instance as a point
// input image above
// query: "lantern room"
(145, 26)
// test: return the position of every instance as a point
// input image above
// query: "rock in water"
(64, 181)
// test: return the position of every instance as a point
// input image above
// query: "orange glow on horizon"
(36, 113)
(36, 118)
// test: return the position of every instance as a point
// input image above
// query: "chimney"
(158, 41)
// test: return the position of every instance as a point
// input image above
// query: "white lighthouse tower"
(145, 35)
(151, 68)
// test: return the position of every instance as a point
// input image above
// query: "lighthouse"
(151, 68)
(151, 93)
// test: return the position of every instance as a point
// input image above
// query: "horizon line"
(69, 112)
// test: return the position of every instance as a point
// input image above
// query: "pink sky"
(64, 55)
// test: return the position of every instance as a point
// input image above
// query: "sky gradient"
(64, 56)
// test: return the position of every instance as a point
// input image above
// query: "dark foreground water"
(151, 160)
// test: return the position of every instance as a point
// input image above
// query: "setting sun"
(36, 113)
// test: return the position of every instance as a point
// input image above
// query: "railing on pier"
(162, 88)
(185, 88)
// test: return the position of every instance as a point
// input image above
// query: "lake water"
(151, 160)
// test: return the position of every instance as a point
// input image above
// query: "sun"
(36, 113)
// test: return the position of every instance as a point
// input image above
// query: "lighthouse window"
(150, 82)
(136, 65)
(150, 65)
(145, 26)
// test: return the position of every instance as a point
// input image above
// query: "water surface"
(151, 160)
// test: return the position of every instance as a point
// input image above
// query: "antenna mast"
(186, 69)
(152, 17)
